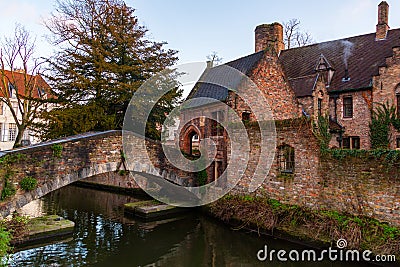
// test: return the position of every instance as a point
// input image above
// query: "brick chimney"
(269, 37)
(383, 21)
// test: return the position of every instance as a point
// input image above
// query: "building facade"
(344, 79)
(15, 82)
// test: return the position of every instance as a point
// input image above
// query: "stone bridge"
(61, 162)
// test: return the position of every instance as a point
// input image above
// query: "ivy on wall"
(7, 174)
(320, 130)
(382, 117)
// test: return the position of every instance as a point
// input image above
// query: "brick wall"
(361, 186)
(354, 185)
(268, 75)
(358, 125)
(386, 85)
(307, 103)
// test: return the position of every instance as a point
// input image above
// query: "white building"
(8, 127)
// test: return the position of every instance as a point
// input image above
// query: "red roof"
(18, 80)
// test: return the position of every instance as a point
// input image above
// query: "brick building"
(344, 78)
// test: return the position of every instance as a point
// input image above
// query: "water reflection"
(104, 237)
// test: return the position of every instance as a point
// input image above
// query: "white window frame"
(12, 132)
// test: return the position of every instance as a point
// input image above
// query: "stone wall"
(360, 186)
(113, 179)
(365, 186)
(82, 157)
(76, 155)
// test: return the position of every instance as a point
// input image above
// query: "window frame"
(12, 132)
(348, 107)
(398, 104)
(12, 91)
(286, 159)
(351, 142)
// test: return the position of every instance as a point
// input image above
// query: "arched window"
(286, 158)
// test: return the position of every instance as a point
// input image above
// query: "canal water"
(103, 236)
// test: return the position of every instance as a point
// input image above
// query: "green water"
(103, 236)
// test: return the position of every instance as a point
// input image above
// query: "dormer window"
(323, 65)
(41, 92)
(11, 90)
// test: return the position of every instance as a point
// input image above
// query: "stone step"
(152, 210)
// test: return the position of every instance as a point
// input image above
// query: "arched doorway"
(191, 141)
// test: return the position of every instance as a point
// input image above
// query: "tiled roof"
(303, 86)
(18, 81)
(222, 74)
(365, 56)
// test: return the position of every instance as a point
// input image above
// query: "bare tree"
(214, 59)
(21, 86)
(294, 36)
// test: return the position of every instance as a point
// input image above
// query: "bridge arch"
(81, 157)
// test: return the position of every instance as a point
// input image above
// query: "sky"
(197, 28)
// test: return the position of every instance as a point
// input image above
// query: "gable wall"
(268, 75)
(384, 86)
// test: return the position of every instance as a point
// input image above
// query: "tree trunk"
(19, 136)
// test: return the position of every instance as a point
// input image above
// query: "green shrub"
(28, 183)
(8, 189)
(57, 150)
(320, 130)
(5, 238)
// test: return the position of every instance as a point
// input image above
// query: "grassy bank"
(323, 226)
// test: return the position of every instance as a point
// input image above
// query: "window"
(347, 107)
(12, 131)
(346, 142)
(319, 107)
(355, 143)
(351, 142)
(398, 104)
(216, 128)
(246, 116)
(41, 92)
(286, 159)
(11, 90)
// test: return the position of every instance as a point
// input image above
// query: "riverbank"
(318, 229)
(314, 228)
